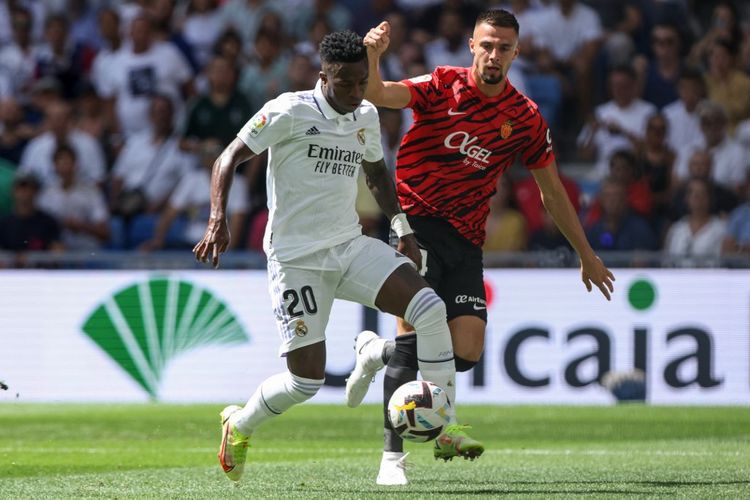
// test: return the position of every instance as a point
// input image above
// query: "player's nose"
(357, 94)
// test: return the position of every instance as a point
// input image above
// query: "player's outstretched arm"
(386, 94)
(383, 189)
(216, 238)
(561, 209)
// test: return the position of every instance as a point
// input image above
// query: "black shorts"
(453, 266)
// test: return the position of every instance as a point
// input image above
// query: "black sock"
(402, 368)
(388, 348)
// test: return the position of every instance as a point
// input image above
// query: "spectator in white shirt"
(202, 26)
(567, 29)
(37, 157)
(244, 16)
(106, 59)
(567, 40)
(451, 47)
(266, 76)
(684, 126)
(730, 160)
(78, 206)
(723, 201)
(145, 68)
(18, 58)
(698, 234)
(618, 124)
(544, 87)
(149, 166)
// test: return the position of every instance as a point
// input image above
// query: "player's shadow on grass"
(428, 488)
(641, 483)
(491, 487)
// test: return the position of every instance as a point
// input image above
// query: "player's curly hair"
(342, 46)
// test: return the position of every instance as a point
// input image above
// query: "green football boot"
(454, 442)
(234, 446)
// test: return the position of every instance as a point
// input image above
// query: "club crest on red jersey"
(506, 129)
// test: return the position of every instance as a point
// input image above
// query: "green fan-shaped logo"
(144, 325)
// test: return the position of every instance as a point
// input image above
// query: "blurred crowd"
(112, 113)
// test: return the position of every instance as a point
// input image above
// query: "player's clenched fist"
(377, 38)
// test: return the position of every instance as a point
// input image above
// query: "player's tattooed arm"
(216, 238)
(381, 185)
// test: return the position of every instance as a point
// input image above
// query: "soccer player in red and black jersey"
(470, 125)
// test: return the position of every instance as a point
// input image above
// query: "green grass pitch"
(316, 451)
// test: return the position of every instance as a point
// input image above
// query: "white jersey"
(313, 163)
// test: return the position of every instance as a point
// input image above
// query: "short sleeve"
(269, 126)
(538, 152)
(421, 87)
(373, 146)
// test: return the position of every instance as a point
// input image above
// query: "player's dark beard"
(493, 80)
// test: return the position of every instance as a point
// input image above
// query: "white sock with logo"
(427, 313)
(272, 398)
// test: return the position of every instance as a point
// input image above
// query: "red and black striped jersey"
(460, 143)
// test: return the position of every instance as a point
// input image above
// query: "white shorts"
(302, 290)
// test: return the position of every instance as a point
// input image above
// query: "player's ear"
(471, 45)
(323, 77)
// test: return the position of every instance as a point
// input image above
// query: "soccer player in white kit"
(316, 251)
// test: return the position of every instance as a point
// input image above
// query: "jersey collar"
(326, 109)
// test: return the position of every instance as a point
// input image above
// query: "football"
(419, 411)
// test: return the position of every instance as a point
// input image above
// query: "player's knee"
(464, 365)
(301, 389)
(425, 311)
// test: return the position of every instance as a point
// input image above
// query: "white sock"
(272, 398)
(374, 351)
(426, 312)
(393, 456)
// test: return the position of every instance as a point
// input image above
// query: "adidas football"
(419, 410)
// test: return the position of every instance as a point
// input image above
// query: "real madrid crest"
(300, 329)
(506, 129)
(361, 136)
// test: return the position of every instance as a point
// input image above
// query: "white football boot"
(369, 359)
(392, 469)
